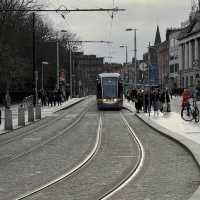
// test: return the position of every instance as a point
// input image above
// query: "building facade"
(163, 64)
(151, 59)
(85, 69)
(189, 51)
(174, 59)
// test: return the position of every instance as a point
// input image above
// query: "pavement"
(172, 125)
(45, 112)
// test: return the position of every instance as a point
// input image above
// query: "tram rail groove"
(70, 173)
(133, 173)
(73, 124)
(26, 133)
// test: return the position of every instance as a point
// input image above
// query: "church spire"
(157, 38)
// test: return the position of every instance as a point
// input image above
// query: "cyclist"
(185, 96)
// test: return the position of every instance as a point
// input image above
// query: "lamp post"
(135, 55)
(43, 63)
(125, 46)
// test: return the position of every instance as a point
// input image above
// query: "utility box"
(30, 113)
(8, 119)
(21, 116)
(38, 111)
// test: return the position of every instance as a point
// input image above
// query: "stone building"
(174, 59)
(84, 72)
(151, 58)
(189, 51)
(163, 63)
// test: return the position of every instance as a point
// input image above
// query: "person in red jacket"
(185, 96)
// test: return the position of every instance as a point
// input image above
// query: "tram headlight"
(104, 100)
(115, 100)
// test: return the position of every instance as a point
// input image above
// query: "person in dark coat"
(138, 101)
(165, 101)
(155, 102)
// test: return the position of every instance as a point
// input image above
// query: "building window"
(198, 48)
(176, 67)
(182, 83)
(171, 57)
(186, 82)
(191, 81)
(183, 56)
(193, 50)
(171, 68)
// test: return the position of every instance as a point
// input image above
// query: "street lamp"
(135, 55)
(125, 46)
(43, 63)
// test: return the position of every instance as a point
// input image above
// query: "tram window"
(109, 87)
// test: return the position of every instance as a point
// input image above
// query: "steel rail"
(26, 133)
(40, 145)
(72, 171)
(132, 174)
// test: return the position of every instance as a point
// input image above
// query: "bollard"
(8, 119)
(21, 116)
(38, 111)
(30, 113)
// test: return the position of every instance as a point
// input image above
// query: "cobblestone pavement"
(43, 164)
(169, 173)
(117, 156)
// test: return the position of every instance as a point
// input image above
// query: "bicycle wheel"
(186, 114)
(196, 114)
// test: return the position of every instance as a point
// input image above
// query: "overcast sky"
(144, 15)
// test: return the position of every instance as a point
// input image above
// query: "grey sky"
(141, 14)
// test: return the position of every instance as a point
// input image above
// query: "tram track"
(42, 144)
(68, 174)
(45, 123)
(7, 155)
(135, 170)
(117, 186)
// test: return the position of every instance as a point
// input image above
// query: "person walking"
(155, 102)
(165, 101)
(185, 96)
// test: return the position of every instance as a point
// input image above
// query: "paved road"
(169, 171)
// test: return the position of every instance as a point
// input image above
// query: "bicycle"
(190, 111)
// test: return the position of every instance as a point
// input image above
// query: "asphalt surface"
(169, 171)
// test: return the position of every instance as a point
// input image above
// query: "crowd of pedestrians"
(147, 100)
(52, 98)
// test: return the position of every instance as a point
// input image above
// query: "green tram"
(109, 91)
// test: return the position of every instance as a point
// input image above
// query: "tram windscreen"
(110, 85)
